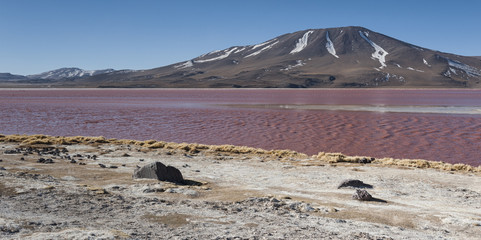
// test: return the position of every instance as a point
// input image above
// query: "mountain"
(56, 77)
(11, 77)
(68, 73)
(334, 57)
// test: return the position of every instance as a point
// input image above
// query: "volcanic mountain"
(316, 58)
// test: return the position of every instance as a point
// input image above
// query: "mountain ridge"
(332, 57)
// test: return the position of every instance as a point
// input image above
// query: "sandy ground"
(237, 196)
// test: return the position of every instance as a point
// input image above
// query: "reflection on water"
(309, 121)
(367, 108)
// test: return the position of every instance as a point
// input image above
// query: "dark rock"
(41, 160)
(2, 168)
(49, 161)
(362, 195)
(73, 161)
(366, 160)
(22, 158)
(354, 183)
(102, 166)
(158, 170)
(82, 163)
(113, 166)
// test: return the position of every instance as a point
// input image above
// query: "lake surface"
(440, 125)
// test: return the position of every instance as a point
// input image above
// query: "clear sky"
(41, 35)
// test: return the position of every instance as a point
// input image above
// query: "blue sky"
(42, 35)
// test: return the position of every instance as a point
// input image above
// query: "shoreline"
(83, 187)
(320, 158)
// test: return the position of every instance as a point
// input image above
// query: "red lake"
(440, 125)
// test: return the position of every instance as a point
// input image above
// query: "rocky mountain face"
(334, 57)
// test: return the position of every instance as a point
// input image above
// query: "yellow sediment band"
(231, 149)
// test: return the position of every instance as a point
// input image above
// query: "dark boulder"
(354, 183)
(158, 170)
(362, 195)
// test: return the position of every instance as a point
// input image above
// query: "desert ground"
(84, 189)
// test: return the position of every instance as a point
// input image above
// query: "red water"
(195, 116)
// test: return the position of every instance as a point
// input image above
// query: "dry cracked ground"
(87, 192)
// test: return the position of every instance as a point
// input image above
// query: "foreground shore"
(232, 192)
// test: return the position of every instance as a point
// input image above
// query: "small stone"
(113, 166)
(2, 169)
(73, 161)
(191, 193)
(332, 210)
(362, 195)
(102, 165)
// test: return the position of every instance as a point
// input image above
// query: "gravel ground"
(77, 195)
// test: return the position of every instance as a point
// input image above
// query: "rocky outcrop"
(158, 170)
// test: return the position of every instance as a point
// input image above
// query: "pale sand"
(243, 195)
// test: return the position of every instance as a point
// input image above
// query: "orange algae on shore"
(194, 148)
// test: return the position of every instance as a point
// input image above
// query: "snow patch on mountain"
(301, 43)
(379, 52)
(471, 71)
(330, 46)
(184, 65)
(426, 62)
(261, 50)
(262, 44)
(240, 50)
(412, 69)
(68, 73)
(226, 54)
(299, 63)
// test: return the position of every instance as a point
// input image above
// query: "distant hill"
(315, 58)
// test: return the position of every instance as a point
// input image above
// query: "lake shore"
(239, 192)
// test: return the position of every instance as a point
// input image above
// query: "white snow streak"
(240, 50)
(426, 62)
(301, 43)
(379, 52)
(412, 69)
(262, 44)
(185, 65)
(226, 54)
(265, 48)
(330, 46)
